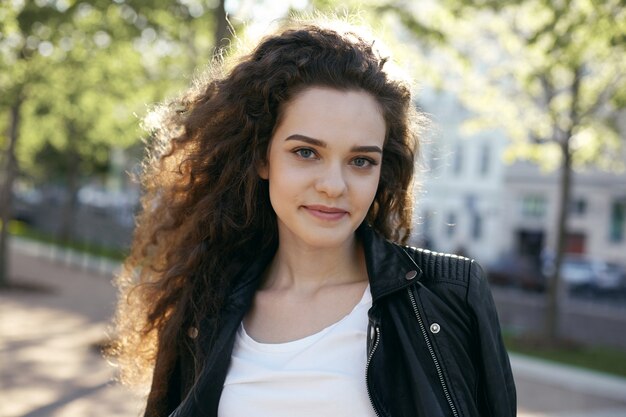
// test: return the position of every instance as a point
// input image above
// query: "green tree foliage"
(75, 77)
(92, 67)
(557, 69)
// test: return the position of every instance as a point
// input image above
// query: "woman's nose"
(331, 181)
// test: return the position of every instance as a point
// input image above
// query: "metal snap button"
(192, 332)
(410, 275)
(434, 328)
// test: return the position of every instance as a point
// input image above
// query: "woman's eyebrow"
(322, 144)
(366, 149)
(307, 139)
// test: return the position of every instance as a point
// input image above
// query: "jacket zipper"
(432, 354)
(367, 366)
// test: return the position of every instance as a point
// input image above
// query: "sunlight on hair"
(342, 22)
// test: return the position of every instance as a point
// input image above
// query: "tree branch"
(604, 96)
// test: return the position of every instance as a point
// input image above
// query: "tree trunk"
(68, 214)
(6, 194)
(221, 28)
(555, 284)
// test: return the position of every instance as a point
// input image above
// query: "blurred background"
(522, 167)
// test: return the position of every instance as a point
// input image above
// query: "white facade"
(458, 206)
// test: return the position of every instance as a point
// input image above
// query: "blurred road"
(50, 368)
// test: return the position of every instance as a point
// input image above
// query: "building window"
(618, 221)
(578, 207)
(450, 225)
(485, 159)
(533, 206)
(477, 227)
(458, 160)
(471, 202)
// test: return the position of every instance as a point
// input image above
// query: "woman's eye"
(304, 153)
(362, 162)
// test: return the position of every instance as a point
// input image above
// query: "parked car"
(581, 273)
(517, 271)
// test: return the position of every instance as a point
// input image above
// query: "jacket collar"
(389, 266)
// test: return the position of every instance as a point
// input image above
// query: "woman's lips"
(326, 213)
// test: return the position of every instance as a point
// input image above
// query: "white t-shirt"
(319, 375)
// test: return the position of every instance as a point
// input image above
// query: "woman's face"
(323, 165)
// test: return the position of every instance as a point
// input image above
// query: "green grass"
(22, 230)
(597, 358)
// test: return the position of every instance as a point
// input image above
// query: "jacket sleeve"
(497, 396)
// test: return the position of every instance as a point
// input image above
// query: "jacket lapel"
(389, 266)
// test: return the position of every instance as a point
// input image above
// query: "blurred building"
(459, 206)
(597, 212)
(472, 203)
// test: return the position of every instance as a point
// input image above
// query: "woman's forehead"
(329, 114)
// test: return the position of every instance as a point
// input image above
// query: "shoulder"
(439, 266)
(455, 278)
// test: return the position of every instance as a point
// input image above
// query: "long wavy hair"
(205, 210)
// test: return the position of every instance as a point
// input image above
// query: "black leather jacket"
(434, 346)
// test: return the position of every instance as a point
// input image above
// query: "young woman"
(268, 275)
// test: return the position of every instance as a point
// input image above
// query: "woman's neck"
(307, 269)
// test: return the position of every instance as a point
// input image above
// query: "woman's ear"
(263, 170)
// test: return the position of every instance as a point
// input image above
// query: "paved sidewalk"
(48, 364)
(546, 389)
(49, 367)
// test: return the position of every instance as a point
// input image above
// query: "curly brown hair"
(205, 208)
